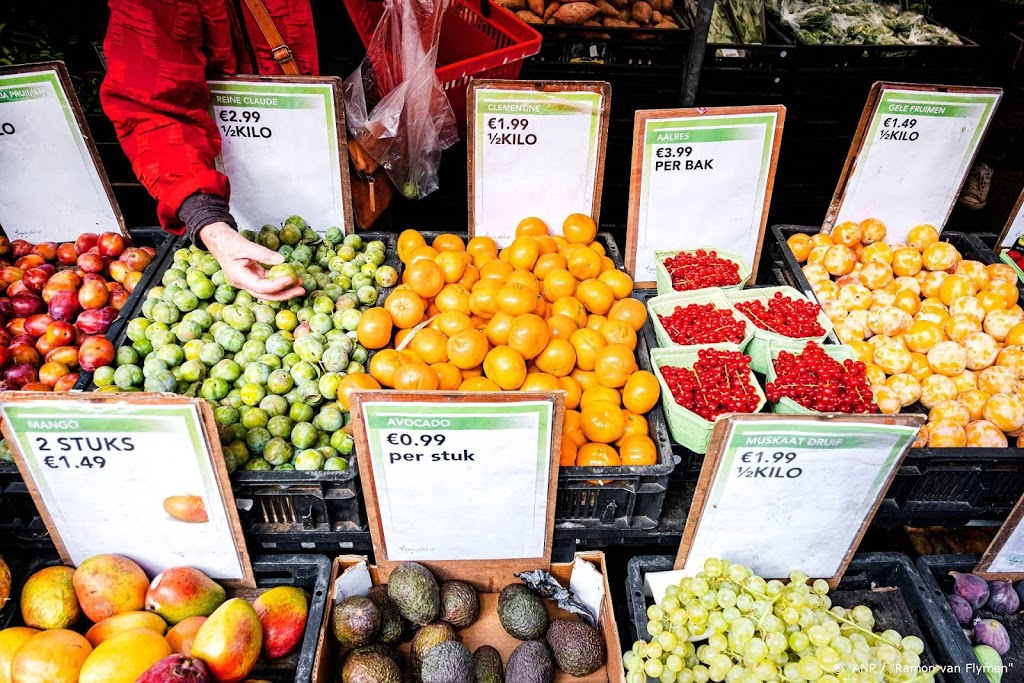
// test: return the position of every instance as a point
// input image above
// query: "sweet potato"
(614, 22)
(575, 13)
(641, 12)
(529, 17)
(566, 2)
(551, 9)
(632, 24)
(655, 17)
(665, 24)
(536, 6)
(606, 8)
(619, 4)
(624, 15)
(513, 5)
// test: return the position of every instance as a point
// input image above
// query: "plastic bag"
(394, 104)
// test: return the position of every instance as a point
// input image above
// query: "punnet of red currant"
(781, 314)
(819, 382)
(703, 324)
(719, 382)
(701, 269)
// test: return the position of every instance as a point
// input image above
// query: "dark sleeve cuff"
(199, 210)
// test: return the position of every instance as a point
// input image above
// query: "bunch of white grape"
(751, 630)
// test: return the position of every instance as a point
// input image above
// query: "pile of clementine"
(546, 313)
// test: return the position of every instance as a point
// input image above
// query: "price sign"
(536, 149)
(911, 154)
(55, 187)
(458, 476)
(795, 492)
(1014, 228)
(133, 475)
(1004, 558)
(283, 149)
(701, 177)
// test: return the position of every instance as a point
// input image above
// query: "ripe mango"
(183, 635)
(283, 612)
(110, 584)
(189, 509)
(48, 599)
(53, 656)
(125, 657)
(10, 640)
(125, 621)
(183, 592)
(230, 641)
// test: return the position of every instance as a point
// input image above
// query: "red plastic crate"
(470, 46)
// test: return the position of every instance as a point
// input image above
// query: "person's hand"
(241, 262)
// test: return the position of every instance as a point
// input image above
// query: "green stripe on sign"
(20, 94)
(414, 422)
(262, 101)
(91, 425)
(905, 107)
(727, 133)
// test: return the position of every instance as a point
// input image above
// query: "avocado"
(449, 662)
(460, 604)
(380, 648)
(370, 667)
(391, 624)
(521, 612)
(355, 621)
(530, 663)
(425, 639)
(487, 665)
(414, 591)
(578, 647)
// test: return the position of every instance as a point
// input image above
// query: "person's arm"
(156, 95)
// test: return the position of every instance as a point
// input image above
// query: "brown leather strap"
(281, 53)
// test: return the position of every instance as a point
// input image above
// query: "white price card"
(701, 178)
(54, 188)
(536, 149)
(283, 150)
(1014, 228)
(788, 493)
(464, 480)
(131, 477)
(911, 155)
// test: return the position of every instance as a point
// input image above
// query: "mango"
(48, 599)
(283, 612)
(10, 640)
(176, 669)
(125, 621)
(5, 582)
(183, 592)
(125, 657)
(53, 656)
(230, 641)
(183, 635)
(110, 584)
(189, 509)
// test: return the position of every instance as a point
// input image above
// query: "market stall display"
(827, 22)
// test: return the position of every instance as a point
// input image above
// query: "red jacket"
(159, 54)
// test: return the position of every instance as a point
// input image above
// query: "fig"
(971, 588)
(1002, 599)
(961, 609)
(1020, 592)
(990, 632)
(176, 669)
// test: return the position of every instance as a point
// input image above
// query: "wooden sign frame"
(716, 449)
(998, 543)
(83, 126)
(599, 87)
(1017, 206)
(860, 137)
(636, 173)
(209, 426)
(486, 572)
(341, 130)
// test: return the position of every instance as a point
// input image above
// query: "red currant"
(817, 381)
(701, 269)
(719, 382)
(795, 318)
(702, 324)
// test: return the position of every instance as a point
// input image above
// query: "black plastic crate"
(21, 527)
(738, 74)
(311, 573)
(934, 570)
(888, 583)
